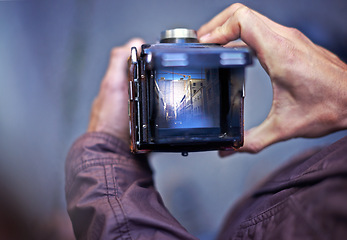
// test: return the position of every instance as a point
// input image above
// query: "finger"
(258, 138)
(244, 24)
(235, 44)
(221, 18)
(116, 72)
(218, 20)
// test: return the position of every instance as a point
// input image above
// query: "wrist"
(102, 127)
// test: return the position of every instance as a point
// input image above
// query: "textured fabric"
(110, 195)
(306, 199)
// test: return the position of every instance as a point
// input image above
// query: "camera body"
(186, 96)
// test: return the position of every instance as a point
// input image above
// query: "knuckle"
(105, 85)
(222, 30)
(238, 5)
(111, 86)
(295, 33)
(135, 41)
(116, 52)
(234, 7)
(298, 37)
(222, 33)
(242, 12)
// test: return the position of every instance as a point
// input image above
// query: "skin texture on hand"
(309, 82)
(110, 108)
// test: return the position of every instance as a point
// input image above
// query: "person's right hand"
(309, 82)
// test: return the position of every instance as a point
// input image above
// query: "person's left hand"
(110, 108)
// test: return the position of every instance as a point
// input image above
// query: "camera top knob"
(179, 35)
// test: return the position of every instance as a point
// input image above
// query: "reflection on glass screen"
(187, 98)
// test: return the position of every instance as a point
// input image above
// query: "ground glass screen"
(187, 98)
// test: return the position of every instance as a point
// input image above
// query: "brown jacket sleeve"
(110, 193)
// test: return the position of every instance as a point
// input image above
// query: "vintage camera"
(186, 96)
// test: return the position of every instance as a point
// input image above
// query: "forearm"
(110, 193)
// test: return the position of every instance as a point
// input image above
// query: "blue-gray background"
(53, 55)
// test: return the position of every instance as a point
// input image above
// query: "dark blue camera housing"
(186, 96)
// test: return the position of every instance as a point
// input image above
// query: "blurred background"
(53, 55)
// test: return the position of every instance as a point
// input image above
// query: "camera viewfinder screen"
(187, 98)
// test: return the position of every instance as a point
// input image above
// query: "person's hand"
(309, 82)
(110, 108)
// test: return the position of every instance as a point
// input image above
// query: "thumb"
(256, 139)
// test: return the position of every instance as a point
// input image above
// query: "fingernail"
(205, 37)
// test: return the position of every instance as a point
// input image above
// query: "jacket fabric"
(110, 195)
